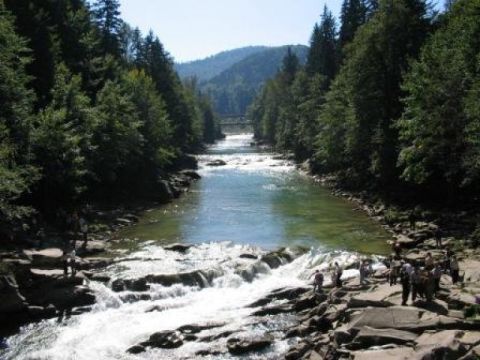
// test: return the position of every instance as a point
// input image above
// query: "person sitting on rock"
(454, 269)
(429, 262)
(317, 281)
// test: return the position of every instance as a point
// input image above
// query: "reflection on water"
(262, 200)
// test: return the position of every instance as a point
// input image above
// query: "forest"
(91, 110)
(388, 101)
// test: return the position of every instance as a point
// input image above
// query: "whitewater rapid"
(120, 320)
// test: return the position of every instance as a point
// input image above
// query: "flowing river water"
(254, 204)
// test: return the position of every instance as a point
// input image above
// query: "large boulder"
(239, 346)
(276, 258)
(202, 278)
(164, 192)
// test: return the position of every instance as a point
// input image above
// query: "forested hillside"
(388, 100)
(233, 90)
(211, 66)
(90, 109)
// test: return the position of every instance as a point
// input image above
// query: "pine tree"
(353, 15)
(440, 126)
(322, 57)
(16, 171)
(107, 16)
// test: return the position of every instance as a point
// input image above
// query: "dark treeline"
(90, 109)
(388, 100)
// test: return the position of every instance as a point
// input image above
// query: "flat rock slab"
(368, 337)
(378, 297)
(400, 353)
(402, 318)
(241, 346)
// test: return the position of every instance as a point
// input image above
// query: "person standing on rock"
(363, 271)
(397, 248)
(338, 275)
(317, 281)
(415, 282)
(405, 281)
(454, 269)
(437, 275)
(438, 237)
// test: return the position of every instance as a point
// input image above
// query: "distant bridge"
(235, 123)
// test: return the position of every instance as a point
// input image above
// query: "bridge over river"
(235, 124)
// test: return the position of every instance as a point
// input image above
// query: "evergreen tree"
(353, 15)
(107, 17)
(372, 74)
(16, 171)
(440, 126)
(322, 57)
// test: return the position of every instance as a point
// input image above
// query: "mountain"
(211, 66)
(234, 89)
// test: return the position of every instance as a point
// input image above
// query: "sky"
(195, 29)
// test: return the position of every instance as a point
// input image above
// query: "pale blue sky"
(194, 29)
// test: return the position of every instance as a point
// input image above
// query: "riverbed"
(254, 204)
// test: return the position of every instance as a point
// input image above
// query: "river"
(256, 203)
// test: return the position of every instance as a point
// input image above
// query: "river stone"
(181, 248)
(136, 349)
(202, 278)
(473, 354)
(276, 259)
(164, 192)
(368, 337)
(275, 309)
(196, 328)
(217, 162)
(92, 247)
(237, 346)
(165, 340)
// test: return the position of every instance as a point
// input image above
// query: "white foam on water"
(113, 325)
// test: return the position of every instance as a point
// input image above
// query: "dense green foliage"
(402, 110)
(90, 110)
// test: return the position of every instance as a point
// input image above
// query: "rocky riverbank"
(32, 281)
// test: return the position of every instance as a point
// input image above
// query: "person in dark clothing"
(317, 281)
(438, 237)
(414, 282)
(338, 275)
(437, 275)
(405, 280)
(411, 219)
(454, 269)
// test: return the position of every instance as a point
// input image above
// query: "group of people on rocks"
(336, 272)
(414, 278)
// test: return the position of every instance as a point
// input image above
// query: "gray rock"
(368, 337)
(217, 162)
(181, 248)
(136, 349)
(165, 340)
(237, 346)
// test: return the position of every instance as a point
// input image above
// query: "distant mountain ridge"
(206, 69)
(233, 87)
